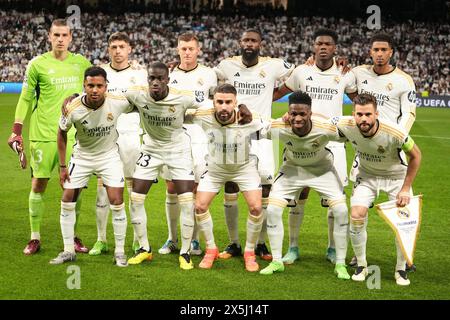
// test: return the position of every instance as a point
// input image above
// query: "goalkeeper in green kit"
(49, 79)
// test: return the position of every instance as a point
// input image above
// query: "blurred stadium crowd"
(422, 48)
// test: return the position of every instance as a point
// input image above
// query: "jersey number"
(143, 160)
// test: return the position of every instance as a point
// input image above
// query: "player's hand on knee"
(63, 175)
(244, 114)
(66, 102)
(403, 198)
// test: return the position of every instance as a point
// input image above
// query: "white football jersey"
(163, 120)
(254, 84)
(96, 129)
(326, 88)
(381, 154)
(198, 80)
(308, 152)
(118, 82)
(395, 93)
(228, 145)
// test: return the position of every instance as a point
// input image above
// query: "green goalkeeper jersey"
(48, 81)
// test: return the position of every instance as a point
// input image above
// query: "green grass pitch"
(32, 277)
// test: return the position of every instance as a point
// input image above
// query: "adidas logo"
(192, 173)
(84, 122)
(364, 82)
(51, 71)
(237, 74)
(310, 78)
(174, 82)
(289, 143)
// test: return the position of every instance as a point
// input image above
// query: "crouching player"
(228, 159)
(307, 163)
(381, 147)
(94, 115)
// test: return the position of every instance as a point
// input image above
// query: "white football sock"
(119, 219)
(254, 224)
(275, 228)
(102, 211)
(67, 221)
(186, 201)
(340, 230)
(139, 219)
(401, 261)
(172, 215)
(331, 225)
(205, 224)
(358, 237)
(295, 219)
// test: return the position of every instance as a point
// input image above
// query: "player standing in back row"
(394, 90)
(121, 76)
(326, 85)
(254, 78)
(191, 76)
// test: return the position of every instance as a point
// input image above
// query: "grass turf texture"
(32, 277)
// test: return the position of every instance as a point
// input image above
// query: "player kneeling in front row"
(308, 163)
(228, 160)
(381, 147)
(94, 116)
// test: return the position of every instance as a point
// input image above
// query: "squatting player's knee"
(255, 210)
(359, 212)
(200, 208)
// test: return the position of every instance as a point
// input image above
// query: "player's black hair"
(300, 97)
(254, 31)
(159, 65)
(95, 71)
(326, 32)
(382, 37)
(225, 88)
(364, 99)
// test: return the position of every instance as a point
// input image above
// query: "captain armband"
(408, 145)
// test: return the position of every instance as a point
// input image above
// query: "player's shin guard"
(263, 233)
(231, 216)
(186, 201)
(401, 261)
(36, 210)
(254, 225)
(340, 230)
(205, 224)
(295, 219)
(139, 219)
(275, 228)
(67, 221)
(119, 219)
(172, 215)
(331, 225)
(102, 211)
(358, 237)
